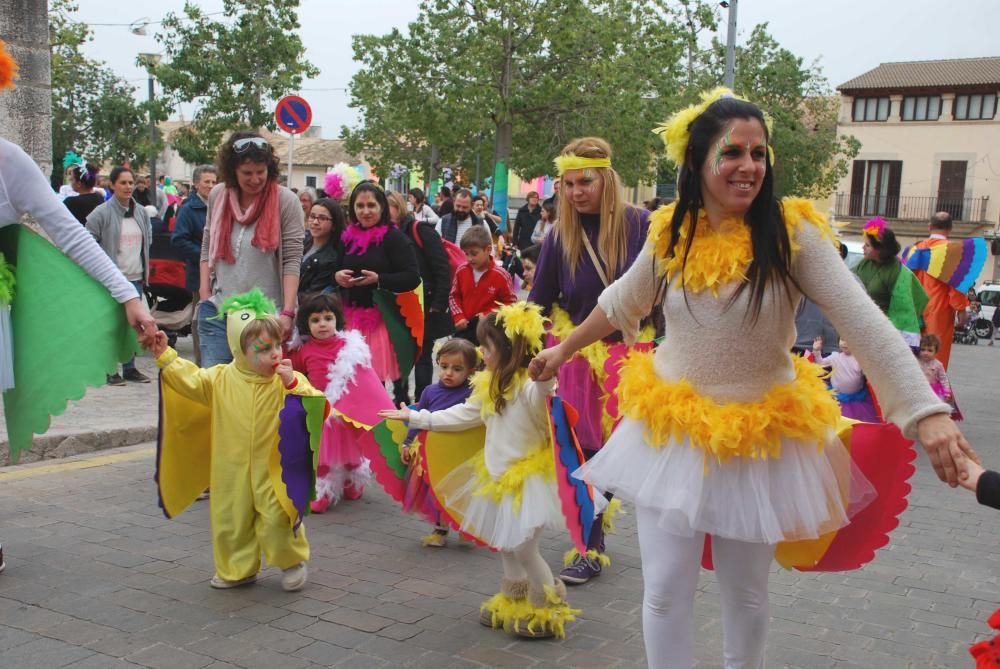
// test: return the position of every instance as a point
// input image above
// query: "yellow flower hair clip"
(676, 131)
(523, 319)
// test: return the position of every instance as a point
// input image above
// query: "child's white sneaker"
(294, 578)
(222, 584)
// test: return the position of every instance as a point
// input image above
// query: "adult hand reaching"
(141, 321)
(546, 364)
(946, 447)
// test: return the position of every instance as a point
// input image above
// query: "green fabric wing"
(399, 332)
(69, 333)
(909, 299)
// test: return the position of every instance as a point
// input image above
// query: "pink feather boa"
(357, 240)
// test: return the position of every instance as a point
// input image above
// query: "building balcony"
(911, 207)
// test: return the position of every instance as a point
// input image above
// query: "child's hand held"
(159, 344)
(285, 371)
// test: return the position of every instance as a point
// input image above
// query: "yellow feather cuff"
(803, 409)
(568, 162)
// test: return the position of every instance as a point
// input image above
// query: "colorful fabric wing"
(386, 463)
(442, 453)
(576, 496)
(957, 263)
(362, 399)
(401, 335)
(183, 451)
(299, 431)
(885, 458)
(906, 306)
(411, 308)
(52, 363)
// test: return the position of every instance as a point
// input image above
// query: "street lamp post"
(730, 76)
(150, 61)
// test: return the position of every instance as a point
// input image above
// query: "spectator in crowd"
(447, 204)
(252, 239)
(480, 207)
(319, 262)
(525, 222)
(422, 212)
(83, 181)
(307, 197)
(123, 230)
(453, 226)
(479, 286)
(545, 223)
(190, 225)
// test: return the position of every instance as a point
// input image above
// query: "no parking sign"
(293, 114)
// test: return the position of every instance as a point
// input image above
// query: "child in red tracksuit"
(478, 285)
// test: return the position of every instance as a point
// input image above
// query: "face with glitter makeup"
(733, 172)
(263, 356)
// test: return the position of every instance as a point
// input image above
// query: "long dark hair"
(512, 356)
(772, 249)
(338, 223)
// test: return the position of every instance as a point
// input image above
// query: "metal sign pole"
(291, 149)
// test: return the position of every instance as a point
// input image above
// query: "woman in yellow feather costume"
(724, 433)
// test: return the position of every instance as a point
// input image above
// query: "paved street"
(97, 577)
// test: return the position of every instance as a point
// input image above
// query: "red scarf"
(264, 211)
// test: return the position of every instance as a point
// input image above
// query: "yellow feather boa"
(480, 383)
(539, 462)
(720, 257)
(803, 409)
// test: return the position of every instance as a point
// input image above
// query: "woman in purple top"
(596, 238)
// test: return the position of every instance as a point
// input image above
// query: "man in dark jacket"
(527, 218)
(452, 226)
(190, 224)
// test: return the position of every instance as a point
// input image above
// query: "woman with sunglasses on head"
(745, 453)
(325, 223)
(253, 239)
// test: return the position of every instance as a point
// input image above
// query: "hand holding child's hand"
(970, 481)
(402, 413)
(285, 371)
(159, 344)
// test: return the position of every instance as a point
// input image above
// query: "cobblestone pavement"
(96, 577)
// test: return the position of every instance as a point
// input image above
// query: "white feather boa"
(343, 370)
(332, 485)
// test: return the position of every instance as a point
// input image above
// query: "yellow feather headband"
(676, 131)
(523, 319)
(568, 162)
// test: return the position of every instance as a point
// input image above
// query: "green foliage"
(94, 112)
(233, 68)
(535, 73)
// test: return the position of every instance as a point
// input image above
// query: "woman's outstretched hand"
(402, 413)
(946, 447)
(546, 364)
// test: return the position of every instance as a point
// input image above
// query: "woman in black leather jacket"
(324, 223)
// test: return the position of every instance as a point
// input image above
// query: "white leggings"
(526, 562)
(670, 568)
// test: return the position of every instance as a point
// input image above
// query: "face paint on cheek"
(261, 352)
(720, 151)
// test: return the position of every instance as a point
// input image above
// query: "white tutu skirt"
(500, 524)
(803, 494)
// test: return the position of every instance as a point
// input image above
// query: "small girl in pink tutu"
(456, 360)
(340, 364)
(848, 381)
(936, 374)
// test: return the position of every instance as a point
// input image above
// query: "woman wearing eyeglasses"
(325, 222)
(253, 239)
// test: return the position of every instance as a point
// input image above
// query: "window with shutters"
(871, 109)
(921, 108)
(975, 107)
(875, 188)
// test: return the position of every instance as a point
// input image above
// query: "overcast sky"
(848, 37)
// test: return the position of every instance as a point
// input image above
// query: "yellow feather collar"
(720, 257)
(481, 393)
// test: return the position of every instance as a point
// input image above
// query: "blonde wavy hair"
(612, 240)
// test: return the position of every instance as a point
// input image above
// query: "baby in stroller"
(171, 303)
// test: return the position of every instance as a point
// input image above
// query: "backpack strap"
(416, 237)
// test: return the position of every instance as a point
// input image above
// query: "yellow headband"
(677, 130)
(568, 162)
(523, 319)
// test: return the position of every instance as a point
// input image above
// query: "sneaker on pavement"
(581, 570)
(135, 376)
(294, 578)
(115, 380)
(222, 584)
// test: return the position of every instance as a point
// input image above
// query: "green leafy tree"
(531, 73)
(94, 112)
(233, 68)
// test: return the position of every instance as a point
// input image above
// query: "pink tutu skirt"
(956, 413)
(579, 387)
(368, 321)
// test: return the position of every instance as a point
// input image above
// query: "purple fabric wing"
(296, 455)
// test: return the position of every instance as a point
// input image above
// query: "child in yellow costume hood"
(219, 427)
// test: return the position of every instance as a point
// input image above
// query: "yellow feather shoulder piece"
(482, 394)
(798, 210)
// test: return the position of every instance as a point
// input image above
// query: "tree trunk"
(505, 132)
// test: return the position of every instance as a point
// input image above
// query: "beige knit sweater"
(728, 358)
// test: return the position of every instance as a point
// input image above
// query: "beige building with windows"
(930, 141)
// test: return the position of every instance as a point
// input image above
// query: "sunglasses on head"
(243, 145)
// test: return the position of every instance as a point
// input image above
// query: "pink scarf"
(264, 210)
